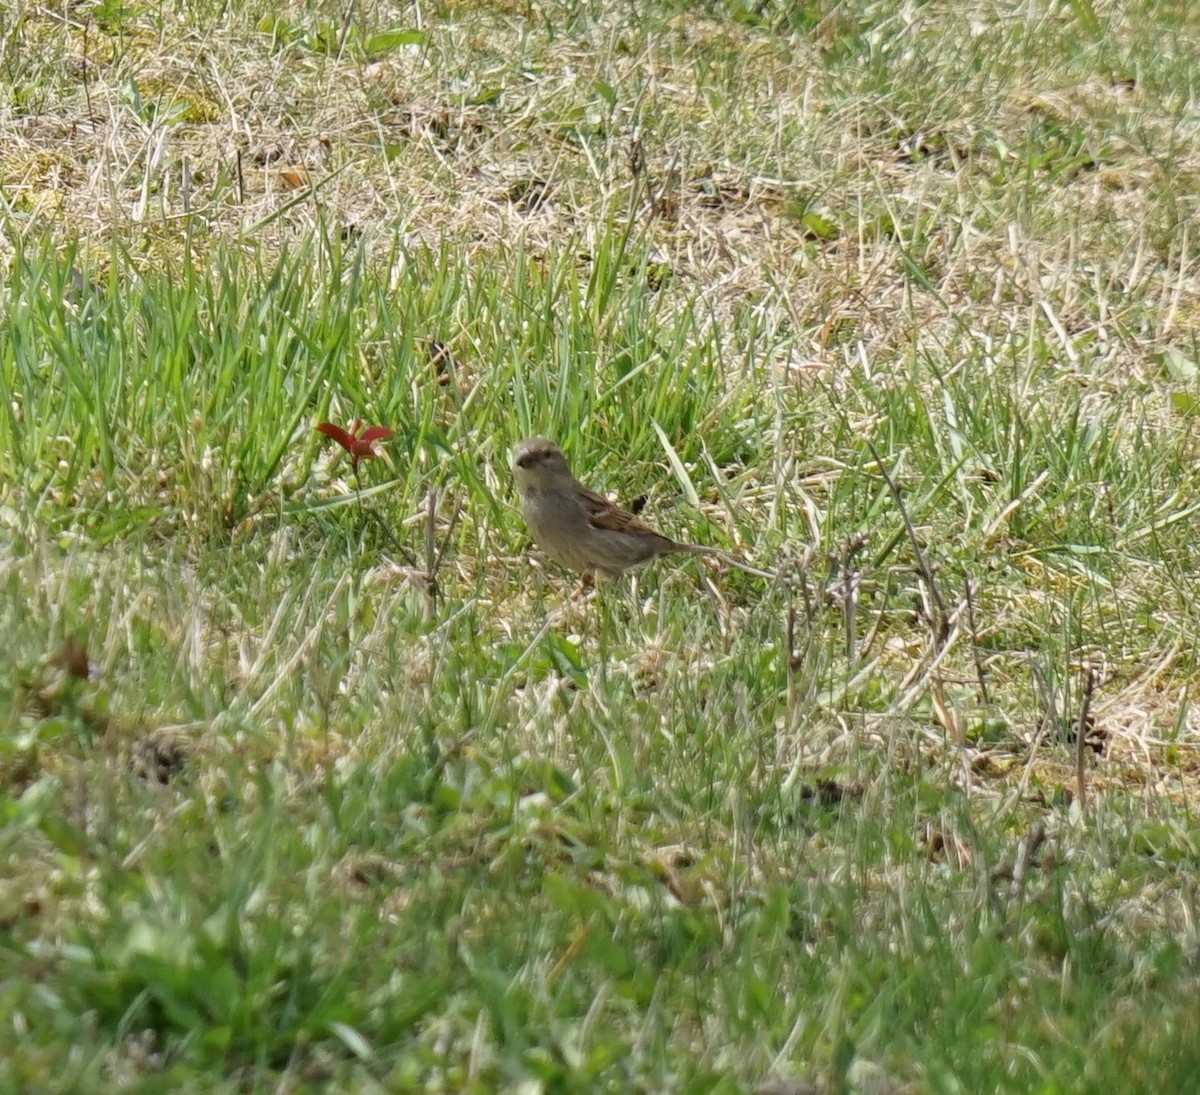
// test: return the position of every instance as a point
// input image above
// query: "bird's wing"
(604, 514)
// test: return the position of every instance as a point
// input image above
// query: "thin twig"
(1024, 858)
(446, 539)
(1089, 686)
(867, 645)
(733, 561)
(431, 552)
(850, 593)
(344, 34)
(849, 603)
(797, 658)
(87, 84)
(793, 662)
(942, 620)
(1046, 692)
(979, 671)
(406, 555)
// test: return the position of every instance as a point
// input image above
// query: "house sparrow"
(578, 528)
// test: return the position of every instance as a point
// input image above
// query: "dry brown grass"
(903, 196)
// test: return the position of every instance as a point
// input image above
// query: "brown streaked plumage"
(575, 526)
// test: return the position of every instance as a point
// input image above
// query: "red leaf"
(346, 440)
(359, 448)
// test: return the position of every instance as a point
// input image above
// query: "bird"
(581, 530)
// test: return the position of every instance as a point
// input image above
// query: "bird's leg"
(586, 585)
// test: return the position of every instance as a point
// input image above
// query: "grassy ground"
(316, 782)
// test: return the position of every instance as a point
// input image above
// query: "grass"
(316, 782)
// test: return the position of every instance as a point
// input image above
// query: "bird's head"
(539, 463)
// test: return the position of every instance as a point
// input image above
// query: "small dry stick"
(431, 552)
(399, 548)
(794, 661)
(1046, 693)
(732, 560)
(810, 609)
(868, 644)
(434, 553)
(851, 549)
(1089, 687)
(849, 604)
(637, 153)
(979, 672)
(87, 85)
(1025, 857)
(941, 620)
(345, 31)
(446, 542)
(795, 657)
(721, 611)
